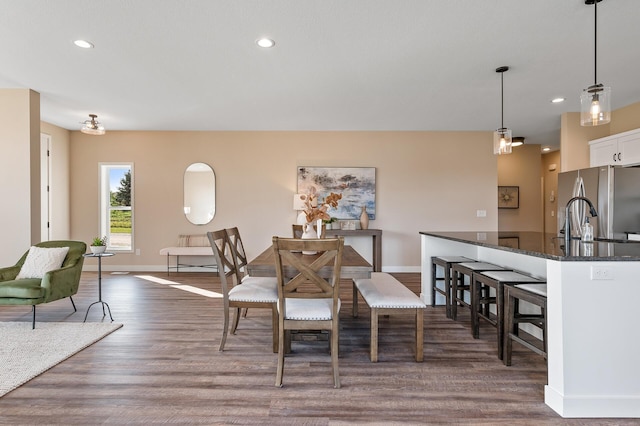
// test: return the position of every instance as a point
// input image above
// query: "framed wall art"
(508, 197)
(356, 184)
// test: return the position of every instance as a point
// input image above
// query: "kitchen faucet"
(567, 218)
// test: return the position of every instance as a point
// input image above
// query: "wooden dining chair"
(241, 264)
(308, 292)
(238, 294)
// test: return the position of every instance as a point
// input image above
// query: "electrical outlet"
(481, 213)
(137, 252)
(601, 273)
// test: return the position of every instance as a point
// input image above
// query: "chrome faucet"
(567, 218)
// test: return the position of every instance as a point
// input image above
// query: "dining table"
(353, 264)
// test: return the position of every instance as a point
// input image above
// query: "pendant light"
(92, 126)
(502, 136)
(595, 101)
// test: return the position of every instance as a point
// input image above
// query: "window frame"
(104, 204)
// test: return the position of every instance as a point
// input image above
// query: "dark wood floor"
(163, 366)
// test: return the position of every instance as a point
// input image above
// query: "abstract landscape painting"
(356, 184)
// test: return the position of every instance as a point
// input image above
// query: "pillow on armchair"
(41, 260)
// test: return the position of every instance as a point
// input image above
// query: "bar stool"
(445, 263)
(458, 285)
(535, 294)
(482, 299)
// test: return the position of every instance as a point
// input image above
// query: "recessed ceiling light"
(265, 42)
(83, 43)
(546, 148)
(557, 100)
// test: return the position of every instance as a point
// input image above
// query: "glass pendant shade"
(502, 141)
(595, 105)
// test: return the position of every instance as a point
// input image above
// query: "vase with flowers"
(316, 213)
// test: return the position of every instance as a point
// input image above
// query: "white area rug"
(26, 353)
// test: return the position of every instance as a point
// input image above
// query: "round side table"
(99, 256)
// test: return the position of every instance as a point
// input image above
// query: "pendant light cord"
(595, 43)
(502, 100)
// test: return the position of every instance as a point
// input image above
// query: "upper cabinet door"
(604, 152)
(629, 147)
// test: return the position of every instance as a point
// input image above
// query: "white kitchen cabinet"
(622, 149)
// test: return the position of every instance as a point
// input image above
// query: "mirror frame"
(197, 207)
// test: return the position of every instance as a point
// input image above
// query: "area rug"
(26, 353)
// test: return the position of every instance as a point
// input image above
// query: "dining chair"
(238, 294)
(308, 292)
(241, 264)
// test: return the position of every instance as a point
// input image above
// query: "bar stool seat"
(445, 263)
(535, 294)
(459, 286)
(482, 299)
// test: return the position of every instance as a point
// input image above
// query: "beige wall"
(625, 119)
(59, 218)
(550, 168)
(574, 140)
(522, 168)
(424, 181)
(19, 172)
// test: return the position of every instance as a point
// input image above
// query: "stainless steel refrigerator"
(615, 193)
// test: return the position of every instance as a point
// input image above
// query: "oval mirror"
(199, 193)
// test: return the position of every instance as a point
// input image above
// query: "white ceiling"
(337, 64)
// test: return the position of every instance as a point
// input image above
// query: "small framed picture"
(508, 197)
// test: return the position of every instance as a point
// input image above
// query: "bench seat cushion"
(187, 251)
(384, 291)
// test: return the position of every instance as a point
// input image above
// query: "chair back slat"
(308, 276)
(223, 254)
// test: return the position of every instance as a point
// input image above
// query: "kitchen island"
(592, 294)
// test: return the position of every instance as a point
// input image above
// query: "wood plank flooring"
(163, 366)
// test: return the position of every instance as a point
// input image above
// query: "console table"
(376, 241)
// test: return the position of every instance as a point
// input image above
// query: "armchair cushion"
(28, 288)
(41, 260)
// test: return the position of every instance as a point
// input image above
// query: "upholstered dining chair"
(238, 294)
(241, 264)
(308, 292)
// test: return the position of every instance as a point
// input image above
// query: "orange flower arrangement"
(311, 209)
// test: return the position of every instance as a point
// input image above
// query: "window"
(116, 205)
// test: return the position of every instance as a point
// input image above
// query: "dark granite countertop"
(548, 246)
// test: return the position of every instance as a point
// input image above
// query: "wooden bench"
(385, 295)
(189, 245)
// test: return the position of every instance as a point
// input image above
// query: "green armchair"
(54, 285)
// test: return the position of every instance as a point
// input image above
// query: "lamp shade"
(595, 105)
(502, 141)
(298, 201)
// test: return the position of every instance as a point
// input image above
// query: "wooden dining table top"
(353, 264)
